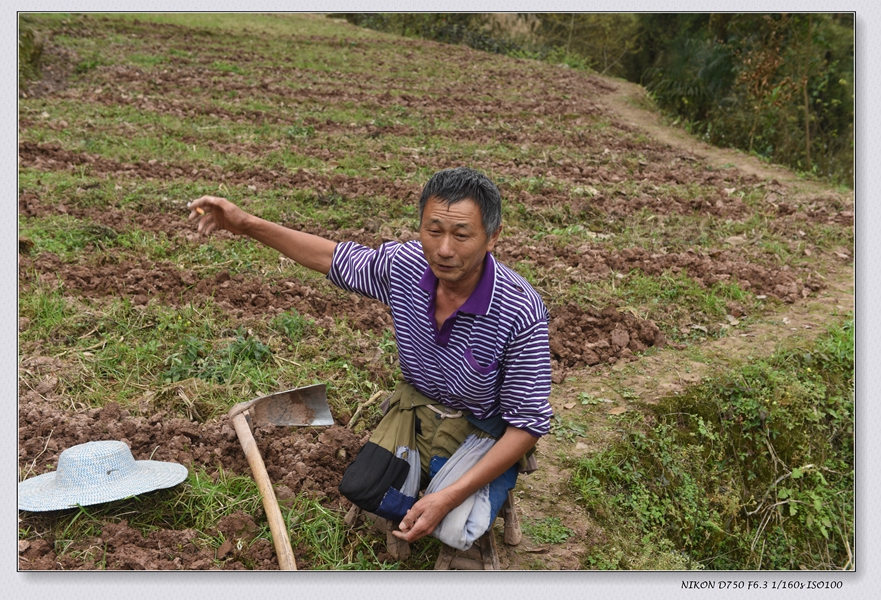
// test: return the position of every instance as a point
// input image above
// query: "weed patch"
(549, 530)
(567, 429)
(236, 360)
(753, 468)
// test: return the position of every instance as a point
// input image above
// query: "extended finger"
(207, 224)
(419, 528)
(413, 534)
(408, 520)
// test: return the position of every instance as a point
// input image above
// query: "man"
(473, 347)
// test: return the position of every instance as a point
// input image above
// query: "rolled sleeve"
(527, 385)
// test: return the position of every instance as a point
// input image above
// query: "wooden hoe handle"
(277, 525)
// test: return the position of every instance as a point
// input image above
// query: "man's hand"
(424, 516)
(306, 249)
(429, 511)
(218, 213)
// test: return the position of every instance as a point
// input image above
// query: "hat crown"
(94, 463)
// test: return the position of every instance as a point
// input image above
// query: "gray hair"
(463, 183)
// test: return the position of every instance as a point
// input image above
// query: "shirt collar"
(479, 301)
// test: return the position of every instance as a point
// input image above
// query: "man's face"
(454, 241)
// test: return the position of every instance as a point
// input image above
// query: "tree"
(604, 39)
(777, 85)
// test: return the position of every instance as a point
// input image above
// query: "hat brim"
(42, 493)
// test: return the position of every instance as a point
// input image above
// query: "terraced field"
(661, 260)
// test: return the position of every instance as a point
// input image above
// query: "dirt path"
(664, 372)
(631, 102)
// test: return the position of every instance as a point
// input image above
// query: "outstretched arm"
(306, 249)
(428, 512)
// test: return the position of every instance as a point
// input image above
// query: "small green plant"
(547, 530)
(588, 399)
(292, 324)
(194, 358)
(299, 131)
(628, 394)
(566, 429)
(86, 65)
(227, 67)
(561, 56)
(536, 184)
(147, 60)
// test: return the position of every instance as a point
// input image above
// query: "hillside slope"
(660, 259)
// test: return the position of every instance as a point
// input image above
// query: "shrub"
(751, 470)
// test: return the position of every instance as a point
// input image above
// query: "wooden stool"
(513, 535)
(482, 555)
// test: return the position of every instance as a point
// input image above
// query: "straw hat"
(93, 473)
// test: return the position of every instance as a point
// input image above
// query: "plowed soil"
(307, 461)
(589, 338)
(585, 343)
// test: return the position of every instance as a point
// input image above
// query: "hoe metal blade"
(306, 406)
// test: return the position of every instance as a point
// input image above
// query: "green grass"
(205, 499)
(330, 545)
(752, 469)
(655, 293)
(198, 503)
(124, 351)
(48, 310)
(68, 237)
(681, 306)
(547, 530)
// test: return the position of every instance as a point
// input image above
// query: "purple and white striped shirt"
(490, 357)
